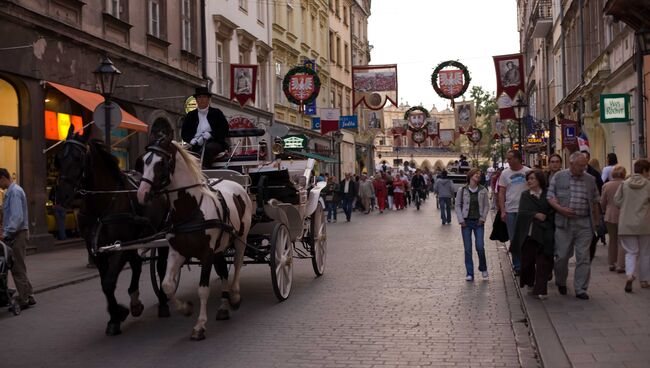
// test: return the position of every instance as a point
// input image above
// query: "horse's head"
(70, 162)
(158, 167)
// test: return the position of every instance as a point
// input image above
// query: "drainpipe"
(204, 44)
(581, 100)
(639, 99)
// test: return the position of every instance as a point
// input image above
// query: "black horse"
(109, 212)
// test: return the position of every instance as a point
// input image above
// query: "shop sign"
(532, 140)
(348, 122)
(190, 104)
(295, 142)
(57, 125)
(240, 122)
(615, 108)
(569, 134)
(315, 123)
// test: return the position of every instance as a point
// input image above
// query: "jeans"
(330, 206)
(347, 206)
(59, 216)
(472, 226)
(445, 209)
(511, 224)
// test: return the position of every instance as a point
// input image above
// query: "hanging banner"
(465, 116)
(400, 127)
(499, 128)
(433, 127)
(447, 136)
(373, 120)
(301, 86)
(329, 120)
(243, 80)
(510, 82)
(569, 134)
(373, 85)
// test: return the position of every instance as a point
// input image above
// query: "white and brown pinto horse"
(205, 221)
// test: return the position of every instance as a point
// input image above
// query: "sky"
(417, 35)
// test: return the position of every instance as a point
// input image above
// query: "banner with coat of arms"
(447, 136)
(243, 83)
(374, 85)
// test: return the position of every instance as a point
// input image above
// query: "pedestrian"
(534, 235)
(554, 166)
(574, 196)
(398, 192)
(379, 185)
(512, 182)
(15, 229)
(612, 161)
(472, 207)
(616, 253)
(443, 188)
(593, 169)
(390, 193)
(348, 192)
(633, 198)
(331, 196)
(366, 192)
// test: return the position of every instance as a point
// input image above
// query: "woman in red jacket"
(380, 192)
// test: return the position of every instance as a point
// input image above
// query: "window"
(113, 8)
(346, 54)
(154, 18)
(336, 9)
(186, 25)
(260, 11)
(332, 53)
(290, 16)
(338, 50)
(345, 15)
(243, 5)
(220, 82)
(332, 99)
(278, 83)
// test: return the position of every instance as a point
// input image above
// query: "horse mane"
(192, 163)
(111, 161)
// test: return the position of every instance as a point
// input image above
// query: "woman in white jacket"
(633, 198)
(472, 207)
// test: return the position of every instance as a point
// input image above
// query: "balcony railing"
(541, 18)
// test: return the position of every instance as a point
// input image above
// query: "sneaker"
(485, 275)
(469, 278)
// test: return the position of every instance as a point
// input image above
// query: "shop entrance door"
(9, 147)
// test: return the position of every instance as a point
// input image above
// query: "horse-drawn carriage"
(258, 214)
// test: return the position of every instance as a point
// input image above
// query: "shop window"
(9, 133)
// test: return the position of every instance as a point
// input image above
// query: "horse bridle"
(169, 164)
(75, 182)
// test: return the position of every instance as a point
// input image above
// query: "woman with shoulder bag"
(472, 208)
(534, 235)
(331, 197)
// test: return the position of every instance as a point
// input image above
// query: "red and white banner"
(243, 82)
(329, 120)
(510, 82)
(374, 85)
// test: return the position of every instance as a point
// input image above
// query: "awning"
(90, 100)
(311, 155)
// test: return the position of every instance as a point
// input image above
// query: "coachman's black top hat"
(202, 91)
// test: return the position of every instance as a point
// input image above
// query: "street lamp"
(338, 138)
(519, 108)
(643, 48)
(107, 74)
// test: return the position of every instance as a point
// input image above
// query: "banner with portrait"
(400, 126)
(243, 81)
(464, 115)
(447, 136)
(433, 127)
(374, 85)
(510, 82)
(374, 120)
(499, 128)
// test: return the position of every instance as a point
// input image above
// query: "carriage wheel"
(281, 261)
(318, 240)
(155, 280)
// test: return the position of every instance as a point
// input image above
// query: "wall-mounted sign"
(569, 134)
(295, 142)
(535, 140)
(348, 122)
(615, 108)
(190, 104)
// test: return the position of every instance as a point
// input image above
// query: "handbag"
(499, 229)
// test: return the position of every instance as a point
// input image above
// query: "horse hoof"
(137, 309)
(223, 315)
(163, 311)
(188, 309)
(122, 312)
(234, 304)
(198, 335)
(113, 329)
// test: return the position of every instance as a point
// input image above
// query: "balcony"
(541, 18)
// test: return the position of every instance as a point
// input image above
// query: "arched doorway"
(9, 147)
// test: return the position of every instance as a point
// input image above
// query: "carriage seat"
(278, 185)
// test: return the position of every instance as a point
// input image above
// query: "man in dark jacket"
(205, 126)
(348, 191)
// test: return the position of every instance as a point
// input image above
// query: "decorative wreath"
(287, 80)
(418, 108)
(444, 64)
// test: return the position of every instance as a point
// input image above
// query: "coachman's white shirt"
(204, 124)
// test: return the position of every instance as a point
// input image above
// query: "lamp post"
(338, 138)
(107, 74)
(643, 48)
(519, 108)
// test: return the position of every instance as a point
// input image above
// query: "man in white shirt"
(512, 183)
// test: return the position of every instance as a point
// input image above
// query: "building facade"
(47, 64)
